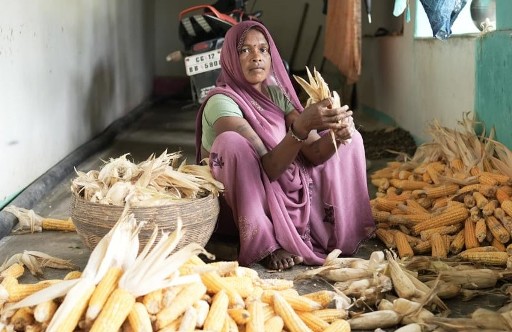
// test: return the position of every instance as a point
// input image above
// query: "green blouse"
(220, 105)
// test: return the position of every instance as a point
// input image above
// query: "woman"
(292, 199)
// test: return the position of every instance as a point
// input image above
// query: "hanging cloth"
(441, 15)
(342, 44)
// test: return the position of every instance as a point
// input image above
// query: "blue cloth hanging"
(441, 15)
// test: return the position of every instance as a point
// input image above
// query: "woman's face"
(255, 58)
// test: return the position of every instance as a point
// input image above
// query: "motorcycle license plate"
(202, 62)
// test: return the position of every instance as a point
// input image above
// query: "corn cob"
(489, 208)
(423, 247)
(487, 258)
(274, 324)
(457, 165)
(499, 178)
(482, 249)
(441, 190)
(15, 270)
(458, 242)
(43, 312)
(330, 314)
(498, 245)
(19, 291)
(202, 308)
(291, 320)
(497, 229)
(407, 219)
(450, 216)
(375, 319)
(443, 230)
(51, 224)
(501, 195)
(506, 205)
(104, 288)
(324, 297)
(475, 170)
(139, 319)
(153, 301)
(297, 302)
(475, 214)
(440, 202)
(218, 311)
(73, 275)
(380, 216)
(315, 323)
(339, 325)
(229, 325)
(408, 184)
(239, 315)
(242, 285)
(481, 230)
(438, 246)
(402, 245)
(413, 205)
(385, 204)
(469, 201)
(185, 298)
(480, 199)
(115, 311)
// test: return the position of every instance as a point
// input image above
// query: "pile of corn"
(452, 198)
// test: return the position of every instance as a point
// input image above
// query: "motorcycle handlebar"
(212, 9)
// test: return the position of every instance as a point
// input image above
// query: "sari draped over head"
(309, 210)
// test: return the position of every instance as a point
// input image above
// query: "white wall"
(414, 81)
(68, 69)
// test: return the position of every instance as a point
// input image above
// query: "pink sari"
(309, 210)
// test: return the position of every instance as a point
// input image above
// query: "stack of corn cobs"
(451, 199)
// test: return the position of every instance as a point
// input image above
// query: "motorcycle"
(201, 30)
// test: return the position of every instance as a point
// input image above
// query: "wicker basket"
(199, 216)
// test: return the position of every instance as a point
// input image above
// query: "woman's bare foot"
(280, 260)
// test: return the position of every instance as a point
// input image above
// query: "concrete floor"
(165, 125)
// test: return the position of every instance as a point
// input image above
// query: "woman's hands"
(321, 116)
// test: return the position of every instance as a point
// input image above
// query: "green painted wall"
(493, 99)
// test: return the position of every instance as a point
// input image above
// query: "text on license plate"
(203, 62)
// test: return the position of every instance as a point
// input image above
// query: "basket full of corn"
(158, 191)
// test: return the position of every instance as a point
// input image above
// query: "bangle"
(295, 137)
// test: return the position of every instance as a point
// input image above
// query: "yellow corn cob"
(274, 324)
(423, 247)
(229, 325)
(425, 177)
(457, 165)
(501, 195)
(450, 216)
(218, 311)
(385, 204)
(275, 284)
(19, 291)
(475, 213)
(404, 174)
(242, 285)
(391, 193)
(414, 206)
(497, 258)
(402, 245)
(330, 314)
(433, 172)
(153, 301)
(480, 199)
(505, 220)
(497, 229)
(499, 178)
(475, 170)
(103, 290)
(185, 298)
(386, 237)
(15, 270)
(339, 325)
(268, 311)
(257, 317)
(489, 208)
(498, 245)
(168, 295)
(457, 244)
(172, 326)
(297, 302)
(443, 230)
(73, 275)
(43, 312)
(487, 178)
(324, 297)
(34, 328)
(214, 283)
(425, 202)
(438, 246)
(506, 205)
(484, 189)
(239, 315)
(441, 190)
(408, 184)
(114, 312)
(139, 319)
(481, 249)
(481, 230)
(440, 202)
(315, 323)
(469, 201)
(51, 224)
(380, 183)
(380, 216)
(22, 318)
(291, 320)
(407, 219)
